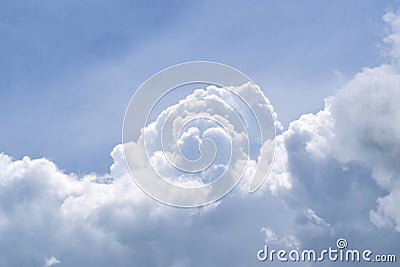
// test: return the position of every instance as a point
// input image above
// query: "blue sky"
(69, 68)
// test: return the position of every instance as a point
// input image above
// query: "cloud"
(272, 239)
(51, 261)
(106, 220)
(340, 165)
(214, 134)
(336, 173)
(392, 18)
(366, 112)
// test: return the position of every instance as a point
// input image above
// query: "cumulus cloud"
(342, 163)
(214, 134)
(108, 221)
(335, 174)
(367, 113)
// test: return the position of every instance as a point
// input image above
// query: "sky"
(68, 70)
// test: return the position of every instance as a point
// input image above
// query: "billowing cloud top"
(205, 143)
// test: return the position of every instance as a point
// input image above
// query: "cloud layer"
(336, 174)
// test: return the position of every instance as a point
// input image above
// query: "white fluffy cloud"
(336, 174)
(217, 128)
(108, 221)
(342, 163)
(357, 129)
(366, 113)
